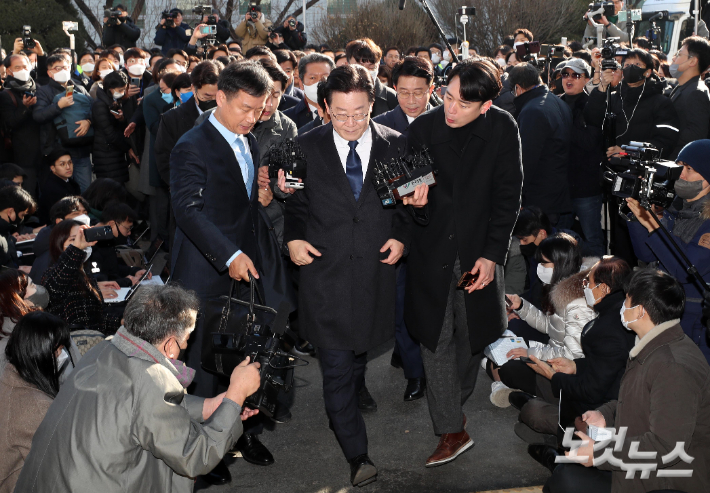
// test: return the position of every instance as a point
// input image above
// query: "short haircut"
(321, 95)
(68, 205)
(115, 79)
(479, 80)
(176, 51)
(119, 212)
(700, 49)
(154, 56)
(524, 75)
(54, 59)
(8, 171)
(286, 56)
(419, 49)
(169, 78)
(585, 55)
(391, 48)
(18, 199)
(525, 32)
(642, 55)
(437, 46)
(160, 67)
(156, 313)
(313, 58)
(612, 271)
(206, 73)
(276, 73)
(414, 67)
(363, 51)
(133, 53)
(347, 79)
(182, 81)
(259, 50)
(247, 76)
(55, 154)
(576, 46)
(531, 220)
(102, 191)
(643, 42)
(661, 56)
(660, 294)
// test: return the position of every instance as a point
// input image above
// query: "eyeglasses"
(585, 283)
(418, 95)
(57, 69)
(679, 53)
(178, 62)
(392, 57)
(126, 227)
(566, 75)
(356, 118)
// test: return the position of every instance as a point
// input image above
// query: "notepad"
(498, 350)
(122, 293)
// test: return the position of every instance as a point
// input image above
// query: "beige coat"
(253, 33)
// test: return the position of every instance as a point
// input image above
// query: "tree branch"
(299, 10)
(91, 17)
(137, 10)
(280, 18)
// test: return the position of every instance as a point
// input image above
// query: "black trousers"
(406, 347)
(575, 478)
(343, 376)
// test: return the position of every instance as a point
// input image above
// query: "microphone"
(401, 4)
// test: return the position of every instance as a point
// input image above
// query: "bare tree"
(89, 14)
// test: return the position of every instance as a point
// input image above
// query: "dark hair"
(391, 48)
(525, 32)
(644, 56)
(133, 53)
(214, 49)
(95, 74)
(422, 48)
(363, 50)
(53, 59)
(347, 79)
(55, 154)
(276, 73)
(414, 67)
(13, 287)
(8, 171)
(32, 346)
(155, 313)
(575, 46)
(119, 212)
(386, 72)
(114, 46)
(479, 80)
(585, 55)
(153, 56)
(224, 60)
(182, 81)
(60, 233)
(259, 50)
(63, 207)
(660, 294)
(313, 58)
(85, 53)
(531, 220)
(699, 48)
(247, 76)
(437, 46)
(159, 69)
(320, 95)
(168, 79)
(286, 56)
(643, 42)
(115, 80)
(177, 51)
(563, 251)
(206, 73)
(18, 198)
(508, 55)
(524, 75)
(411, 51)
(612, 271)
(102, 191)
(661, 56)
(503, 49)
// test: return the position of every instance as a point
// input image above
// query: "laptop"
(125, 294)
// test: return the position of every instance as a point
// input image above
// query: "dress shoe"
(396, 360)
(303, 348)
(544, 455)
(519, 399)
(282, 415)
(416, 388)
(219, 475)
(451, 445)
(532, 437)
(253, 451)
(362, 470)
(366, 403)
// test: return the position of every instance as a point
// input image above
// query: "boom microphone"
(401, 4)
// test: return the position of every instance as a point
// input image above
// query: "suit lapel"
(378, 149)
(226, 155)
(254, 150)
(331, 158)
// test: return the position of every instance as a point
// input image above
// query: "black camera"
(609, 51)
(639, 174)
(292, 22)
(398, 178)
(206, 10)
(289, 157)
(113, 16)
(253, 12)
(608, 10)
(169, 18)
(27, 42)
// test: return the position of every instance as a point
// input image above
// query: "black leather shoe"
(544, 455)
(519, 399)
(366, 403)
(253, 451)
(416, 389)
(396, 360)
(362, 470)
(219, 475)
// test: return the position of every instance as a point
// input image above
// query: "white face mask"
(62, 359)
(104, 73)
(373, 73)
(501, 62)
(544, 273)
(83, 219)
(589, 296)
(22, 75)
(138, 69)
(118, 95)
(623, 320)
(62, 76)
(311, 92)
(447, 55)
(435, 58)
(180, 68)
(88, 67)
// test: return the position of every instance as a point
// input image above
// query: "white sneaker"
(484, 362)
(499, 394)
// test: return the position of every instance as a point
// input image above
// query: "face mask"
(88, 67)
(62, 76)
(40, 297)
(623, 320)
(22, 75)
(120, 60)
(312, 91)
(87, 253)
(501, 61)
(675, 73)
(138, 69)
(688, 189)
(207, 105)
(444, 63)
(62, 359)
(185, 97)
(118, 95)
(544, 273)
(168, 98)
(528, 250)
(83, 219)
(373, 73)
(447, 56)
(589, 296)
(633, 74)
(104, 73)
(435, 58)
(180, 68)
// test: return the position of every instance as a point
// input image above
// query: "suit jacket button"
(446, 266)
(451, 237)
(351, 257)
(356, 219)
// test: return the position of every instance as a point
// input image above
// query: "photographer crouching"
(688, 219)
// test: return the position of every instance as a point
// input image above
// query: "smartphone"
(135, 81)
(467, 279)
(208, 29)
(98, 233)
(525, 359)
(296, 185)
(508, 302)
(115, 112)
(70, 90)
(599, 434)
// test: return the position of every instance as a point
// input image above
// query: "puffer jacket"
(565, 325)
(110, 146)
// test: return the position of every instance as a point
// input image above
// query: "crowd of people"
(175, 141)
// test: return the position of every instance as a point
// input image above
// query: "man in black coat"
(289, 63)
(545, 122)
(347, 246)
(312, 69)
(366, 53)
(58, 183)
(465, 227)
(120, 31)
(292, 33)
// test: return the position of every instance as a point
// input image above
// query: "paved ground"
(309, 460)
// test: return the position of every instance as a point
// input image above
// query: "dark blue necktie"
(353, 170)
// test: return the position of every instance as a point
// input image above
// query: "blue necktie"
(353, 170)
(250, 165)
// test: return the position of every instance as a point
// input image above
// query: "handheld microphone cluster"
(289, 157)
(398, 178)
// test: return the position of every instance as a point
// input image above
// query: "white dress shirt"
(363, 149)
(410, 119)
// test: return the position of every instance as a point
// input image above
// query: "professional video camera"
(27, 42)
(528, 51)
(169, 18)
(113, 16)
(206, 10)
(640, 174)
(397, 179)
(600, 8)
(609, 51)
(289, 157)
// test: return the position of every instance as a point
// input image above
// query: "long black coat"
(173, 125)
(347, 296)
(471, 212)
(110, 146)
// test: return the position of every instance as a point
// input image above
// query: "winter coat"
(692, 103)
(123, 422)
(110, 146)
(652, 119)
(176, 37)
(52, 190)
(296, 39)
(565, 325)
(126, 34)
(385, 99)
(253, 33)
(664, 399)
(46, 110)
(22, 409)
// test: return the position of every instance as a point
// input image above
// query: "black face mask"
(528, 250)
(633, 74)
(207, 105)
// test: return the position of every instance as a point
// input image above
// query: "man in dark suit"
(287, 102)
(347, 246)
(312, 69)
(214, 188)
(466, 226)
(366, 53)
(289, 63)
(58, 183)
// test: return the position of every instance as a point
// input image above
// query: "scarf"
(689, 219)
(18, 85)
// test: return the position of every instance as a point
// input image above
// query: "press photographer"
(119, 28)
(613, 28)
(210, 17)
(292, 32)
(172, 32)
(254, 28)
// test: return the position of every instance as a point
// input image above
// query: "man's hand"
(263, 177)
(241, 267)
(300, 252)
(594, 418)
(83, 127)
(487, 272)
(80, 242)
(197, 33)
(518, 352)
(613, 151)
(210, 405)
(420, 198)
(18, 46)
(282, 183)
(248, 413)
(245, 380)
(596, 59)
(134, 156)
(396, 249)
(265, 196)
(29, 101)
(606, 78)
(119, 116)
(541, 368)
(563, 365)
(65, 101)
(105, 20)
(585, 450)
(132, 91)
(129, 129)
(644, 217)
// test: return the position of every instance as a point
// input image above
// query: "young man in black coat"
(58, 183)
(366, 53)
(465, 227)
(347, 245)
(120, 31)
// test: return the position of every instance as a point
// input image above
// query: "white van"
(675, 27)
